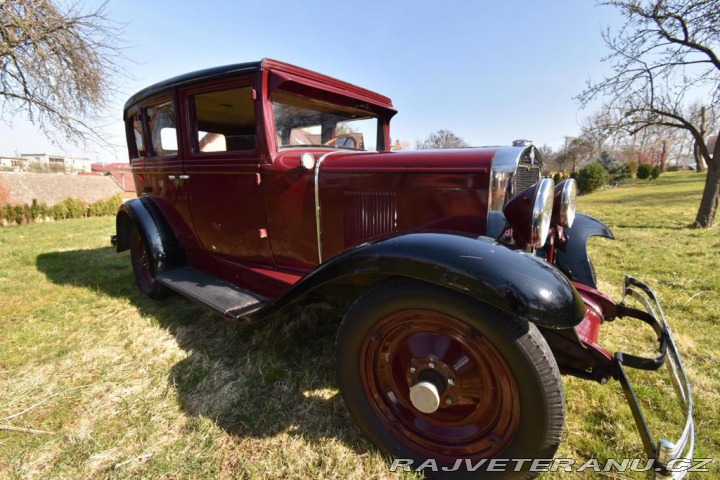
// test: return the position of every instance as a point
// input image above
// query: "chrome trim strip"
(318, 216)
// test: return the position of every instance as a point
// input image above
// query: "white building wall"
(71, 165)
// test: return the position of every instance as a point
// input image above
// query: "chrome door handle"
(184, 177)
(171, 177)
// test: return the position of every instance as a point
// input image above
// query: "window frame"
(297, 86)
(133, 151)
(190, 133)
(157, 100)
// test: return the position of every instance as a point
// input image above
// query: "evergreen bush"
(592, 177)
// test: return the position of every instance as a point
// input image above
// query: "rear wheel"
(431, 374)
(145, 267)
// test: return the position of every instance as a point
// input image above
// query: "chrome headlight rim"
(565, 203)
(542, 212)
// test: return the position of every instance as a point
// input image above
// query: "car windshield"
(302, 121)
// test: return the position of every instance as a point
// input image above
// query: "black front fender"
(513, 281)
(572, 257)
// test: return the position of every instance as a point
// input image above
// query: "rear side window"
(137, 145)
(223, 120)
(163, 133)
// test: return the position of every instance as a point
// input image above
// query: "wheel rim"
(141, 261)
(479, 402)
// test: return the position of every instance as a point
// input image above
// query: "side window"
(163, 134)
(223, 120)
(135, 124)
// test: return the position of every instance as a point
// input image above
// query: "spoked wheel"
(144, 267)
(431, 374)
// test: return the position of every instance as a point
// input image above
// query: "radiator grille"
(368, 215)
(525, 178)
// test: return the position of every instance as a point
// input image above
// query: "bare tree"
(598, 131)
(665, 55)
(653, 145)
(577, 152)
(547, 154)
(706, 118)
(441, 139)
(57, 66)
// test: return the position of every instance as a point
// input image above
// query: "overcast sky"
(489, 71)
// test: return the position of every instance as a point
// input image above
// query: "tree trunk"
(699, 162)
(663, 156)
(711, 194)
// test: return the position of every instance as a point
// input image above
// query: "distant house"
(687, 161)
(45, 163)
(119, 172)
(12, 164)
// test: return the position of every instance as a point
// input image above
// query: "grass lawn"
(115, 385)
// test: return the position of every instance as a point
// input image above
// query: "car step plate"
(221, 296)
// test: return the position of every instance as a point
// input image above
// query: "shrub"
(75, 208)
(7, 212)
(644, 170)
(615, 168)
(37, 210)
(68, 208)
(574, 175)
(19, 214)
(557, 178)
(655, 172)
(105, 207)
(592, 177)
(59, 211)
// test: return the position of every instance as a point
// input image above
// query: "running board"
(221, 296)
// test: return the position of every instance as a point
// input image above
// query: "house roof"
(109, 167)
(53, 188)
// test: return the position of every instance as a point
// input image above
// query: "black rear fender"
(159, 238)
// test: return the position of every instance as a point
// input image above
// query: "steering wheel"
(347, 136)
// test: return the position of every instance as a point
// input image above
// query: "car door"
(156, 163)
(221, 169)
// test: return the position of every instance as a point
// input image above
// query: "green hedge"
(68, 208)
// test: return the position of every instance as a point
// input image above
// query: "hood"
(474, 160)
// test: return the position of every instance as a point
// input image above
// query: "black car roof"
(192, 77)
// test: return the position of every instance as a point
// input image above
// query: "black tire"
(145, 267)
(374, 324)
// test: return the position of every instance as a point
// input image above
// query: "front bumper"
(672, 458)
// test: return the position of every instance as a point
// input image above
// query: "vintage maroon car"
(466, 276)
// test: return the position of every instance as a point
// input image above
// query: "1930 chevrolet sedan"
(466, 276)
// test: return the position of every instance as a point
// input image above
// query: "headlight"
(565, 203)
(530, 213)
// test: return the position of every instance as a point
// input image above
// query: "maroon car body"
(261, 184)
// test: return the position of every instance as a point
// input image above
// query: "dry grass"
(131, 387)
